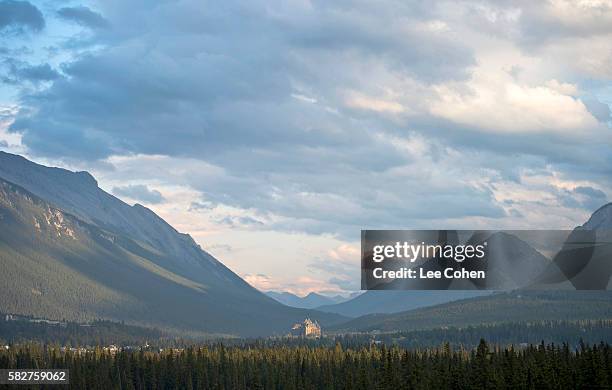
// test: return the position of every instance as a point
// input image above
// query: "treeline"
(75, 334)
(511, 333)
(515, 333)
(221, 367)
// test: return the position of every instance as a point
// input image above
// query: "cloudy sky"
(274, 131)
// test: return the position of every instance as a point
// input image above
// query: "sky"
(275, 131)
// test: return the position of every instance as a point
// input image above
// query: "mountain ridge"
(309, 301)
(527, 305)
(57, 265)
(394, 301)
(78, 194)
(600, 219)
(491, 309)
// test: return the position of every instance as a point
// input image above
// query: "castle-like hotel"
(308, 328)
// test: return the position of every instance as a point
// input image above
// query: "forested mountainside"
(492, 309)
(66, 259)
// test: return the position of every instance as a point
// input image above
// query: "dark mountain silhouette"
(510, 262)
(585, 260)
(601, 219)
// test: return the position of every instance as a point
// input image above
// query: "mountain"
(600, 219)
(519, 305)
(71, 251)
(585, 259)
(511, 262)
(393, 301)
(597, 270)
(310, 301)
(492, 309)
(597, 273)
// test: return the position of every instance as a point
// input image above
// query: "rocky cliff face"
(78, 194)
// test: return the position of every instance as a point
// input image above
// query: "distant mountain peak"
(310, 301)
(600, 219)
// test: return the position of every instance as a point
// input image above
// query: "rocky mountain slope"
(71, 251)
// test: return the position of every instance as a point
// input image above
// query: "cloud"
(350, 283)
(300, 286)
(19, 16)
(584, 197)
(343, 262)
(201, 206)
(515, 108)
(219, 247)
(267, 119)
(565, 18)
(83, 16)
(139, 192)
(210, 91)
(240, 221)
(19, 72)
(262, 282)
(599, 110)
(373, 104)
(42, 72)
(326, 118)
